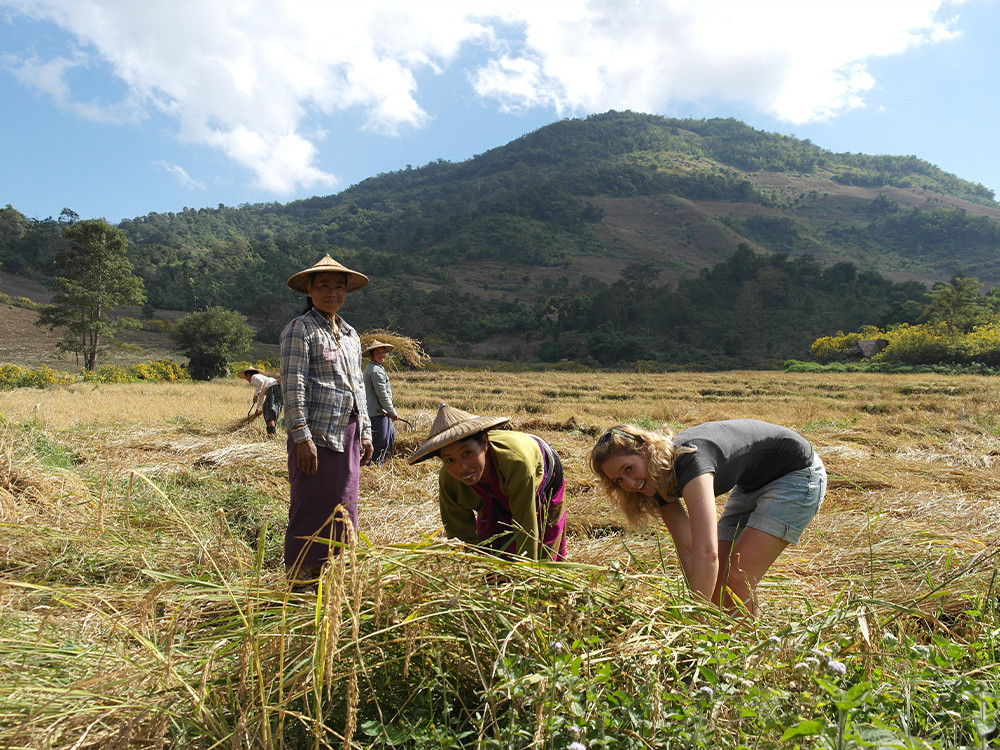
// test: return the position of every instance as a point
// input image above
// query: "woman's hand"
(367, 449)
(306, 457)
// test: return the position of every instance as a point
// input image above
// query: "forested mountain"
(610, 239)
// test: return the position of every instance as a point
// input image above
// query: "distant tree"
(91, 280)
(211, 339)
(957, 303)
(68, 216)
(13, 227)
(992, 301)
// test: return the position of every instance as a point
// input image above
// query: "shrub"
(161, 370)
(13, 376)
(828, 348)
(982, 345)
(211, 339)
(795, 365)
(924, 344)
(108, 374)
(24, 302)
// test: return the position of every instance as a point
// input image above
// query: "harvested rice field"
(142, 602)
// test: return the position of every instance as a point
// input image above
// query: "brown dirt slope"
(685, 236)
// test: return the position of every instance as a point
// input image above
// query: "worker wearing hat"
(329, 433)
(266, 398)
(497, 488)
(378, 393)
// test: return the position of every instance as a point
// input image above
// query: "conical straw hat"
(300, 281)
(451, 425)
(376, 344)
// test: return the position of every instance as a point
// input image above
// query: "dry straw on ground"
(117, 499)
(912, 459)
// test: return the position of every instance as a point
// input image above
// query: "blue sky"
(119, 108)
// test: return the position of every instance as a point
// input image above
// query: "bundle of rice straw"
(405, 349)
(242, 422)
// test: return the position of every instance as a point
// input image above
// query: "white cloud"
(798, 60)
(185, 180)
(50, 77)
(246, 76)
(262, 81)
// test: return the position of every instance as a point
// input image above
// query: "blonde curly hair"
(658, 449)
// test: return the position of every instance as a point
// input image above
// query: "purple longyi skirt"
(314, 497)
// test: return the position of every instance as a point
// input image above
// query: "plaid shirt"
(321, 380)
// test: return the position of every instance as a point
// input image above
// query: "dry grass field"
(912, 458)
(113, 495)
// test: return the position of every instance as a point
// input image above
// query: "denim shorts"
(782, 508)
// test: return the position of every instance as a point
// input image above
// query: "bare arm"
(675, 518)
(695, 534)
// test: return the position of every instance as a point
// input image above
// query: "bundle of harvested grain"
(404, 348)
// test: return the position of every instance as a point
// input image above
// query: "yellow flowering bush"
(10, 376)
(108, 374)
(983, 345)
(6, 299)
(924, 344)
(144, 371)
(830, 348)
(45, 376)
(13, 376)
(160, 370)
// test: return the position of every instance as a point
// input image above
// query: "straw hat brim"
(453, 434)
(300, 281)
(376, 344)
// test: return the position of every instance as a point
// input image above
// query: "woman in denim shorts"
(775, 480)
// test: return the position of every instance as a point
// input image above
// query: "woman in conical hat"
(497, 487)
(378, 392)
(329, 433)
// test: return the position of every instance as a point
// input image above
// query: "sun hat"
(376, 344)
(300, 281)
(451, 425)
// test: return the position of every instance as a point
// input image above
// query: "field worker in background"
(266, 398)
(329, 434)
(378, 393)
(775, 480)
(497, 488)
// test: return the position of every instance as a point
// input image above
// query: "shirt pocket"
(326, 353)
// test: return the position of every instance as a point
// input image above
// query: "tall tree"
(92, 278)
(13, 227)
(957, 303)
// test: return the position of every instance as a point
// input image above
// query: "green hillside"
(618, 237)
